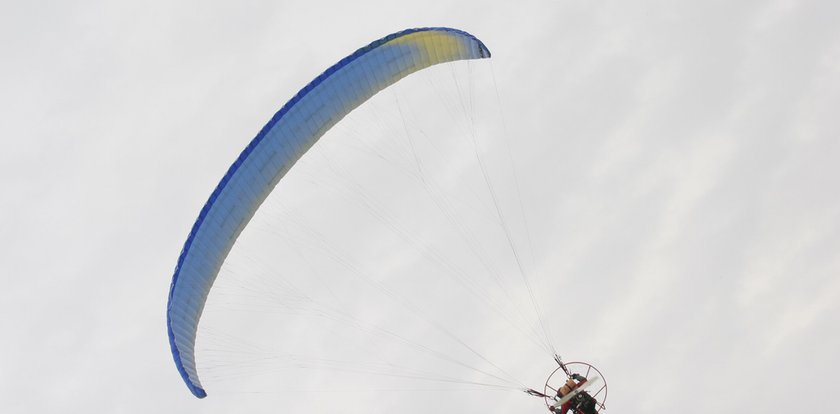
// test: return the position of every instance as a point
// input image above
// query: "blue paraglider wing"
(277, 147)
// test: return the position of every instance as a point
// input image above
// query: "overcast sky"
(676, 164)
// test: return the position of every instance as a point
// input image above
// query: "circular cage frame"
(565, 371)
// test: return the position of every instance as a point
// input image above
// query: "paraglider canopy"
(291, 132)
